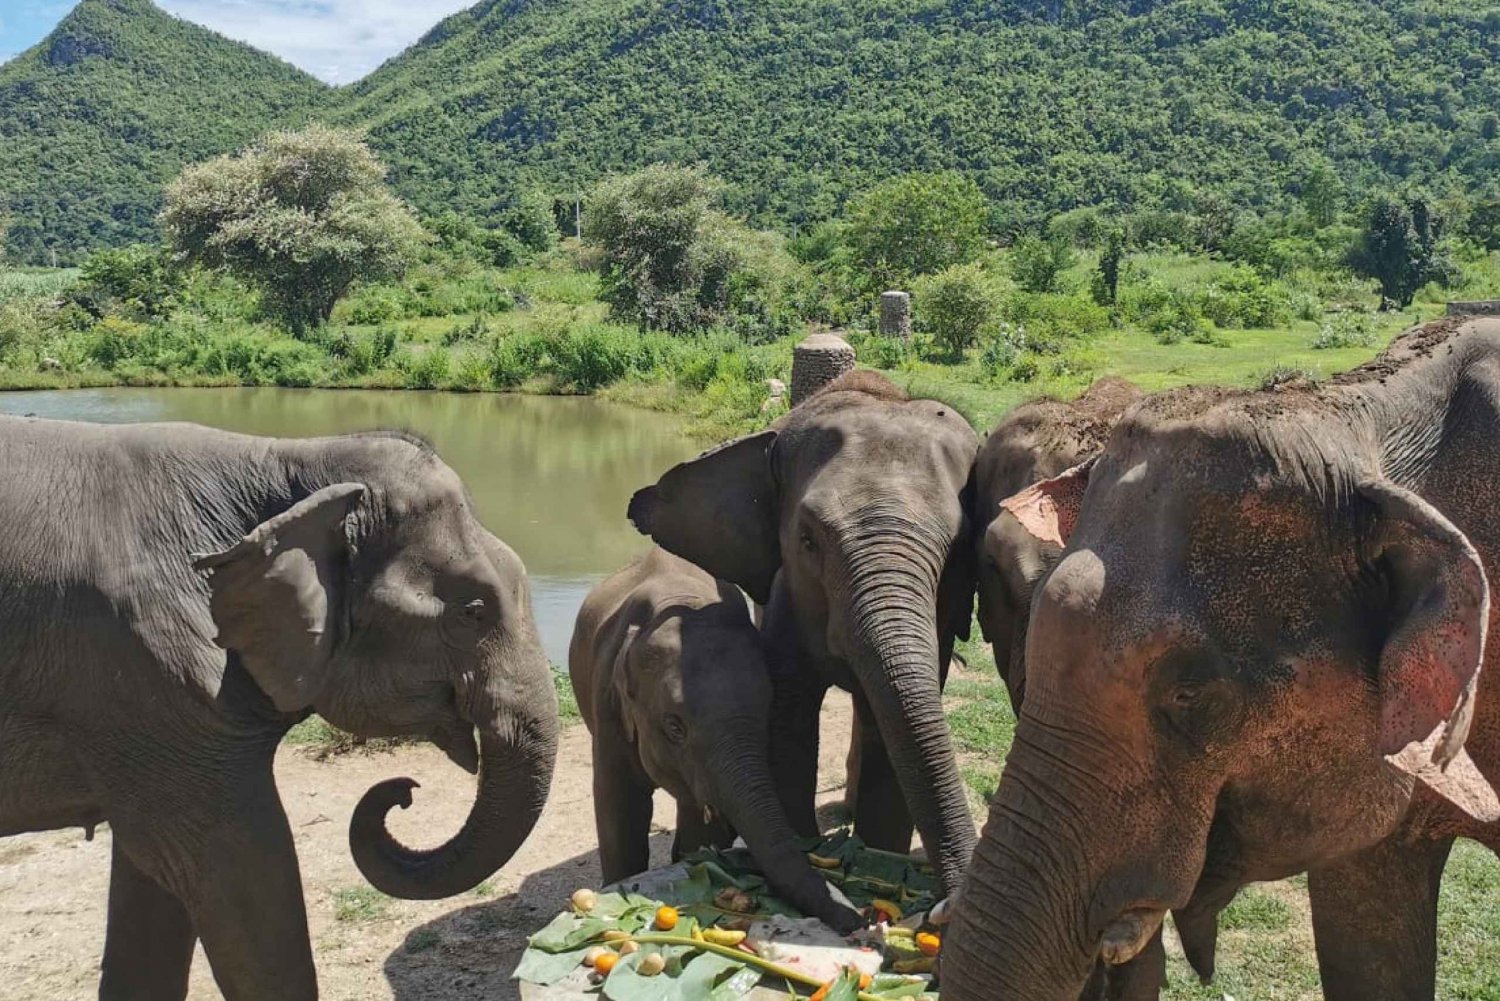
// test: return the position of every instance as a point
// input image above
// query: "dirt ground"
(368, 947)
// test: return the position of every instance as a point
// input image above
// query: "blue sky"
(338, 40)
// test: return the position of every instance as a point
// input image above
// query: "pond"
(550, 475)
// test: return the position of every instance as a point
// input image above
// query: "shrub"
(1345, 330)
(1038, 265)
(954, 305)
(592, 356)
(916, 224)
(425, 370)
(1239, 297)
(886, 352)
(300, 215)
(1001, 349)
(671, 261)
(1052, 318)
(515, 359)
(138, 278)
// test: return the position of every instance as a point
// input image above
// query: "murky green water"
(550, 475)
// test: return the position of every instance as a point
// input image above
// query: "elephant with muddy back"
(1261, 653)
(148, 687)
(672, 682)
(850, 521)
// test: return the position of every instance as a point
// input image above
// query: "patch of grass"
(423, 939)
(484, 889)
(1255, 910)
(359, 904)
(567, 702)
(326, 740)
(980, 717)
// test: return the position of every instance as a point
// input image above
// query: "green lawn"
(1265, 936)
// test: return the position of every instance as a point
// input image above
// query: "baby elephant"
(673, 685)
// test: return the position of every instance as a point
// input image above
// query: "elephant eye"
(675, 728)
(808, 545)
(473, 612)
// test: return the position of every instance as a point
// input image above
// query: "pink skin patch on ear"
(1049, 509)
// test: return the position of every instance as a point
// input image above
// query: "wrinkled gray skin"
(849, 521)
(1036, 441)
(343, 575)
(1259, 655)
(672, 682)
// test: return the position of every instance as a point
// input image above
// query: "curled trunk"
(748, 797)
(517, 754)
(896, 663)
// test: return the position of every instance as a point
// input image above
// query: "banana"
(723, 936)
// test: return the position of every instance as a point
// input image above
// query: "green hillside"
(103, 111)
(1049, 104)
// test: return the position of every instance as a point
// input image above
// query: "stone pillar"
(895, 315)
(816, 362)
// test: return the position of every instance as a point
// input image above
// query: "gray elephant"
(148, 688)
(1036, 441)
(672, 682)
(849, 520)
(1260, 654)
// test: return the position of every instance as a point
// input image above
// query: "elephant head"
(1252, 649)
(380, 602)
(858, 499)
(695, 697)
(1036, 441)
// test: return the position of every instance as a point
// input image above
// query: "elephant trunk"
(517, 752)
(896, 664)
(1021, 928)
(746, 794)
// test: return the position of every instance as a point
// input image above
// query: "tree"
(300, 215)
(1484, 224)
(917, 224)
(1038, 264)
(1106, 286)
(955, 304)
(1398, 247)
(1322, 195)
(672, 261)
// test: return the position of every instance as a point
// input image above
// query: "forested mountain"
(106, 109)
(1047, 103)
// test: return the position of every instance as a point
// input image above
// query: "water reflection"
(550, 475)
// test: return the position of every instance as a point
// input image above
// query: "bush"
(916, 224)
(425, 370)
(671, 261)
(1241, 298)
(515, 359)
(300, 215)
(1001, 350)
(1345, 330)
(1038, 265)
(137, 278)
(1050, 318)
(954, 305)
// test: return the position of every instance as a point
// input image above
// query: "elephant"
(174, 598)
(1036, 441)
(850, 520)
(1261, 653)
(672, 682)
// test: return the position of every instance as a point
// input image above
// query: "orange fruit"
(603, 964)
(929, 943)
(821, 992)
(666, 918)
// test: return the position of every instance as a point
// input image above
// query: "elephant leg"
(1375, 921)
(796, 703)
(149, 938)
(851, 769)
(622, 812)
(883, 820)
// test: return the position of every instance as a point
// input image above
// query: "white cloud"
(337, 40)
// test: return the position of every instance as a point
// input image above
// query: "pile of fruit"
(720, 932)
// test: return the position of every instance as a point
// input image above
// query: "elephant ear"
(275, 595)
(1049, 509)
(719, 511)
(1429, 666)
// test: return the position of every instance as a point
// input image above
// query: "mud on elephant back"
(148, 687)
